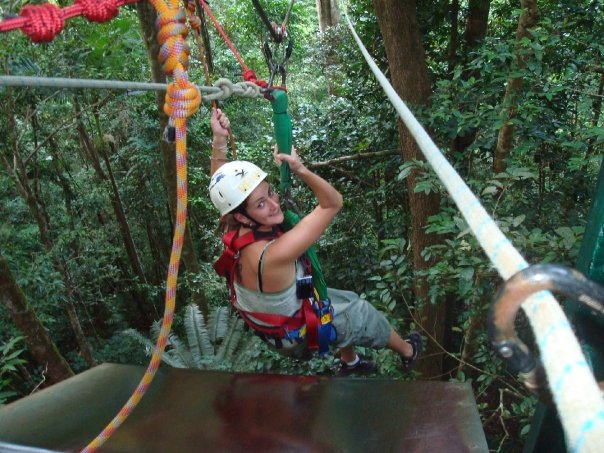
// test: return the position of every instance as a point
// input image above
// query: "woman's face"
(263, 206)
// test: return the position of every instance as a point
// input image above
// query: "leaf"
(405, 170)
(518, 220)
(466, 273)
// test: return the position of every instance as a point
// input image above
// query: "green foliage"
(10, 353)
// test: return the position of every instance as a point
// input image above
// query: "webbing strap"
(312, 325)
(576, 392)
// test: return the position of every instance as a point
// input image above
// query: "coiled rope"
(43, 22)
(575, 391)
(222, 89)
(182, 100)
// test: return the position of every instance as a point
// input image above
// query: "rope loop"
(182, 102)
(44, 22)
(99, 11)
(174, 51)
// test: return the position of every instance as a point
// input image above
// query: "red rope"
(43, 22)
(248, 74)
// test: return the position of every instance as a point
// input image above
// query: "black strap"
(266, 21)
(259, 235)
(260, 260)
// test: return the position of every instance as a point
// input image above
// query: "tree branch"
(359, 156)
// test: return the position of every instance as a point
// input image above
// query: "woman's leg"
(348, 354)
(398, 345)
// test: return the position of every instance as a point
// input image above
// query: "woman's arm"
(220, 131)
(296, 241)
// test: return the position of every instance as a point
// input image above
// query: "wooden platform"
(195, 411)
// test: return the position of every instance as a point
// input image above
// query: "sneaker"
(363, 366)
(415, 340)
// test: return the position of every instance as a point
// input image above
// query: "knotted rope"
(182, 100)
(43, 22)
(575, 391)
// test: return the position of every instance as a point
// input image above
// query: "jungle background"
(510, 91)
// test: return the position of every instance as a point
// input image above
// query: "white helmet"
(232, 183)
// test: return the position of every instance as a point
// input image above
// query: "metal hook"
(507, 302)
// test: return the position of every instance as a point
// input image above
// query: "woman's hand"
(293, 160)
(220, 128)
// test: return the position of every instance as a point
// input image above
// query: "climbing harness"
(506, 305)
(582, 414)
(311, 323)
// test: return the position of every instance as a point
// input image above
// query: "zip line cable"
(222, 88)
(575, 391)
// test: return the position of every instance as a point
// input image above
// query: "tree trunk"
(477, 22)
(409, 75)
(528, 18)
(147, 16)
(38, 341)
(328, 14)
(453, 37)
(475, 31)
(92, 151)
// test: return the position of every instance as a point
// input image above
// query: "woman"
(268, 268)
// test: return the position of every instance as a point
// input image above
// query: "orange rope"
(182, 100)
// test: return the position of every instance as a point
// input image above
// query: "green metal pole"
(546, 432)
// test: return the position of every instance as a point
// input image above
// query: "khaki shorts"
(356, 321)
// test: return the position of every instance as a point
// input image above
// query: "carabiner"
(507, 302)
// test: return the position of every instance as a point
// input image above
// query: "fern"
(180, 352)
(150, 347)
(218, 324)
(232, 339)
(214, 345)
(197, 336)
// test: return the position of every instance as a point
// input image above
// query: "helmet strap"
(253, 224)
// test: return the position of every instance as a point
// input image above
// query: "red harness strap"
(226, 266)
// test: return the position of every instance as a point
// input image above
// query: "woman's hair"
(228, 221)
